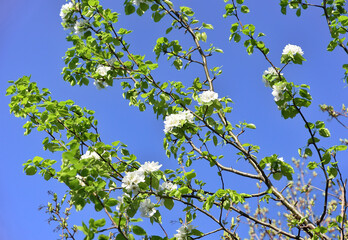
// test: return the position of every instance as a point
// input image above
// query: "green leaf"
(209, 203)
(184, 190)
(120, 237)
(169, 203)
(156, 16)
(251, 126)
(215, 140)
(103, 237)
(277, 175)
(190, 175)
(73, 63)
(111, 202)
(304, 93)
(207, 26)
(220, 193)
(100, 222)
(312, 165)
(93, 3)
(154, 237)
(298, 12)
(154, 182)
(244, 9)
(30, 170)
(319, 124)
(343, 19)
(310, 140)
(204, 36)
(326, 158)
(341, 148)
(324, 132)
(308, 152)
(196, 232)
(177, 64)
(237, 37)
(169, 30)
(138, 230)
(129, 9)
(332, 172)
(143, 6)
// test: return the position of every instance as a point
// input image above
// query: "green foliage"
(111, 179)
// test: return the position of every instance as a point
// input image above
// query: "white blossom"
(292, 50)
(111, 61)
(103, 70)
(167, 186)
(98, 84)
(137, 2)
(188, 116)
(132, 179)
(81, 180)
(268, 166)
(183, 232)
(278, 91)
(149, 167)
(177, 120)
(269, 71)
(90, 154)
(65, 10)
(121, 200)
(147, 208)
(80, 26)
(207, 96)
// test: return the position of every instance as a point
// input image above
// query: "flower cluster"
(292, 50)
(132, 179)
(81, 26)
(94, 155)
(177, 120)
(147, 208)
(121, 200)
(278, 91)
(167, 186)
(183, 232)
(270, 71)
(103, 70)
(207, 96)
(149, 167)
(66, 10)
(90, 154)
(137, 2)
(81, 180)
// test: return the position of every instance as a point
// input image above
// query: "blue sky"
(33, 43)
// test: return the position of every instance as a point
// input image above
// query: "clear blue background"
(33, 43)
